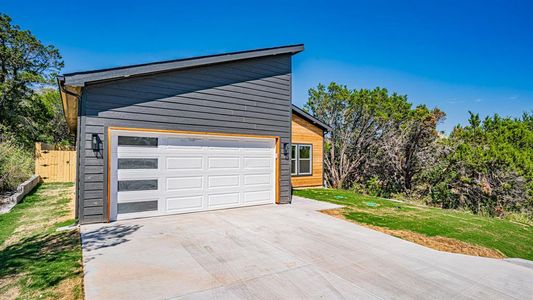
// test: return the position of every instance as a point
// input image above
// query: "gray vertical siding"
(250, 96)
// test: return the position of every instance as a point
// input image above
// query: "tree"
(409, 147)
(52, 121)
(377, 139)
(331, 107)
(25, 65)
(357, 119)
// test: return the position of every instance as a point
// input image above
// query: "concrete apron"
(280, 252)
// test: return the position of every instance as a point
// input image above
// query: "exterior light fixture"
(95, 142)
(286, 149)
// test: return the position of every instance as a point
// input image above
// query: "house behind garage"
(189, 135)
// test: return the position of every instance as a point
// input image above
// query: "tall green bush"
(487, 167)
(16, 166)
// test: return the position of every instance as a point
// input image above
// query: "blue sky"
(458, 56)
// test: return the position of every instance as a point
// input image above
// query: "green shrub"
(373, 186)
(16, 166)
(487, 167)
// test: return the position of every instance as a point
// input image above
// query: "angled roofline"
(79, 79)
(310, 118)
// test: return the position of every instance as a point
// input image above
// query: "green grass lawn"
(511, 239)
(36, 261)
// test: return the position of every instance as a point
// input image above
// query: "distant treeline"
(381, 145)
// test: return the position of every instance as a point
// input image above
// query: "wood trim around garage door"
(109, 129)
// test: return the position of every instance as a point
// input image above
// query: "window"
(137, 163)
(137, 141)
(293, 160)
(301, 161)
(133, 207)
(137, 185)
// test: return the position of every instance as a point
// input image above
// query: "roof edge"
(83, 77)
(310, 118)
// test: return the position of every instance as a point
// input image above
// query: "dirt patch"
(433, 242)
(69, 289)
(335, 212)
(8, 288)
(52, 192)
(72, 202)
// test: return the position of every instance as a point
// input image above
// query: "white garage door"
(157, 174)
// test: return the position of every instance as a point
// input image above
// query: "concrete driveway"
(280, 252)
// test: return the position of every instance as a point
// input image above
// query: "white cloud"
(454, 101)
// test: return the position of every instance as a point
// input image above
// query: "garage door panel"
(184, 183)
(257, 187)
(136, 196)
(223, 162)
(218, 181)
(257, 196)
(223, 199)
(184, 203)
(184, 163)
(255, 179)
(257, 162)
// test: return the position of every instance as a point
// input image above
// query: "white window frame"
(296, 160)
(295, 170)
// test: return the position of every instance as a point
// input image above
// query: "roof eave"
(80, 79)
(69, 100)
(310, 118)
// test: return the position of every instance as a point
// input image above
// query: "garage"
(161, 173)
(183, 135)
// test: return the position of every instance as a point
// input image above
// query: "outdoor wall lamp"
(286, 149)
(95, 142)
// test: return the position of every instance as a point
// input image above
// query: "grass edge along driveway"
(36, 261)
(508, 238)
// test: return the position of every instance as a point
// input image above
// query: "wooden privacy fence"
(55, 165)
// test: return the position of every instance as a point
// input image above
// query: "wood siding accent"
(304, 132)
(246, 97)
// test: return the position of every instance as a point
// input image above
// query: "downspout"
(60, 80)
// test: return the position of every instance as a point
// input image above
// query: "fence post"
(37, 149)
(36, 168)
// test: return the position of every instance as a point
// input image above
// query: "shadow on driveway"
(107, 236)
